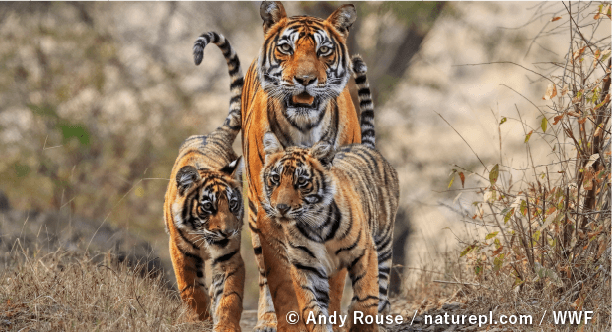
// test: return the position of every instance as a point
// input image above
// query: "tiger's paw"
(266, 323)
(227, 328)
(266, 327)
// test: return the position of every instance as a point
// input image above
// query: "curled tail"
(366, 106)
(233, 121)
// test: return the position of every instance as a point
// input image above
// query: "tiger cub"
(203, 212)
(337, 210)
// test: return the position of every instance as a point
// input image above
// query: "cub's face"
(208, 205)
(296, 181)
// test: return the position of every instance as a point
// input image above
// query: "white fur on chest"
(307, 138)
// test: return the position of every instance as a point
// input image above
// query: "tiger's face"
(304, 62)
(296, 181)
(208, 206)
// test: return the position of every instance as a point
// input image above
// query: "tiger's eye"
(325, 50)
(285, 48)
(275, 178)
(302, 180)
(206, 206)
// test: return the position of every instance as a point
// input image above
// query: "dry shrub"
(63, 291)
(547, 244)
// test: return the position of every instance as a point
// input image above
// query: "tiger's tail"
(233, 121)
(366, 106)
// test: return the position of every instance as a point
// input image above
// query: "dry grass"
(546, 228)
(63, 291)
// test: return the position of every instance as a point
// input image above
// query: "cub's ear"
(271, 12)
(271, 144)
(323, 151)
(343, 18)
(186, 177)
(234, 169)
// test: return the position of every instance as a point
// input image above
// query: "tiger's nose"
(282, 208)
(305, 79)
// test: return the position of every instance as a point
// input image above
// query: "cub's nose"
(305, 79)
(282, 208)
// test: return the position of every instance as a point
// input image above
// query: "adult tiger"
(296, 89)
(203, 211)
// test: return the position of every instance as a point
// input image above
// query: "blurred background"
(95, 99)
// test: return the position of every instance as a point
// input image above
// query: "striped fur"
(233, 120)
(366, 105)
(203, 214)
(296, 89)
(337, 210)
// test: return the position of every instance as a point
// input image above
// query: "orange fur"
(337, 212)
(265, 109)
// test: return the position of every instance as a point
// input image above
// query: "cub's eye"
(302, 181)
(233, 204)
(274, 178)
(324, 50)
(285, 48)
(206, 207)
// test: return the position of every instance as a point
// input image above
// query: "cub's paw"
(265, 328)
(227, 328)
(267, 323)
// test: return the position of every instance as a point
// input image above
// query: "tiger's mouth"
(303, 101)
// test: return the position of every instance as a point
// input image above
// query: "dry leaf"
(564, 90)
(558, 118)
(555, 18)
(551, 91)
(462, 177)
(598, 131)
(592, 159)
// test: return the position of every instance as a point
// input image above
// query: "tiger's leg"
(385, 256)
(279, 280)
(189, 271)
(336, 288)
(266, 318)
(363, 271)
(311, 285)
(227, 287)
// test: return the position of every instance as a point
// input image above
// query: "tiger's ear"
(186, 177)
(271, 12)
(343, 18)
(234, 169)
(271, 145)
(323, 151)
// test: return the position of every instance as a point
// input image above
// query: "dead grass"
(545, 242)
(63, 291)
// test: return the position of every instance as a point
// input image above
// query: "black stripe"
(369, 297)
(224, 257)
(254, 229)
(384, 256)
(354, 278)
(304, 249)
(257, 250)
(360, 79)
(320, 274)
(351, 247)
(336, 218)
(352, 264)
(237, 83)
